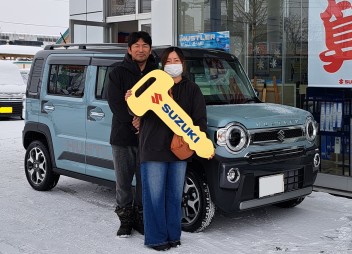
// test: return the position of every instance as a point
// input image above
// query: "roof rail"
(86, 45)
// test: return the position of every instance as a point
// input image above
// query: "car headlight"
(234, 136)
(311, 129)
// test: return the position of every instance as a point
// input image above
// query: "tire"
(290, 203)
(197, 207)
(38, 167)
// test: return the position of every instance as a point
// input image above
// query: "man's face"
(140, 51)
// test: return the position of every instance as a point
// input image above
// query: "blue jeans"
(162, 188)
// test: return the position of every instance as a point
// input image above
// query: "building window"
(122, 7)
(146, 28)
(145, 6)
(269, 37)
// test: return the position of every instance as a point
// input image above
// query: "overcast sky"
(44, 17)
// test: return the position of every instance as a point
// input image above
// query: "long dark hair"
(166, 54)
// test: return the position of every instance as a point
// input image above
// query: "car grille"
(276, 135)
(279, 154)
(293, 179)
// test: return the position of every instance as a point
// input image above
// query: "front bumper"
(11, 107)
(299, 174)
(275, 199)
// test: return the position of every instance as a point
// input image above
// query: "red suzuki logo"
(156, 98)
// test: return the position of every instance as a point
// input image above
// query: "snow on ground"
(78, 217)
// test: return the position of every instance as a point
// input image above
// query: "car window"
(102, 82)
(67, 80)
(34, 83)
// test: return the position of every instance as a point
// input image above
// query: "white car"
(12, 90)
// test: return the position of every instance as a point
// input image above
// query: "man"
(123, 138)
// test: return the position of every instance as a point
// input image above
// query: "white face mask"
(174, 70)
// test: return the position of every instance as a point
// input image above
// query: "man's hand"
(136, 123)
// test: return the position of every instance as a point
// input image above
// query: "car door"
(99, 116)
(63, 109)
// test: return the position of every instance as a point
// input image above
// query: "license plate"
(270, 185)
(5, 110)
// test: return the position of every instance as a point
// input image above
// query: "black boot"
(125, 215)
(138, 219)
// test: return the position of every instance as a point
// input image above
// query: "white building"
(112, 20)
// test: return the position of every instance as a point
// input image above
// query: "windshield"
(221, 81)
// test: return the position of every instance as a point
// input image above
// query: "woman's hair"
(166, 54)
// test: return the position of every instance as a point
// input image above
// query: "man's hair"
(135, 36)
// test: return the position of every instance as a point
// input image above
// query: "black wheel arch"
(197, 166)
(38, 131)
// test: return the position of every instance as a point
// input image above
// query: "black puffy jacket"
(122, 78)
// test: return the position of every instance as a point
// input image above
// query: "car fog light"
(316, 161)
(233, 175)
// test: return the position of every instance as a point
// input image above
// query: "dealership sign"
(330, 43)
(218, 40)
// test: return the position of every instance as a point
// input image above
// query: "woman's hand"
(128, 94)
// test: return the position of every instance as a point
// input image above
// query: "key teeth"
(208, 144)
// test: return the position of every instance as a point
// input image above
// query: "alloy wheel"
(36, 165)
(190, 202)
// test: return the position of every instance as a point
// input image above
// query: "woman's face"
(173, 59)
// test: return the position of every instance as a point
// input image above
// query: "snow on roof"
(18, 50)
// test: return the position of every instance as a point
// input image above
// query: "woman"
(162, 173)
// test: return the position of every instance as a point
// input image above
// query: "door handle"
(49, 108)
(96, 114)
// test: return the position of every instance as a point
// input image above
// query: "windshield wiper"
(250, 100)
(217, 102)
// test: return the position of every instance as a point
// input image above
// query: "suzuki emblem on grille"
(281, 135)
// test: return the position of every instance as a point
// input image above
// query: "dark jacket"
(155, 135)
(122, 78)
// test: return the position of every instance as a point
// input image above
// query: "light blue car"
(265, 153)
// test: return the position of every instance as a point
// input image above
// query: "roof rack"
(86, 45)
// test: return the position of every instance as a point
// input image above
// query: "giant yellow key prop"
(156, 98)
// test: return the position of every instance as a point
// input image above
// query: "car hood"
(13, 88)
(256, 116)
